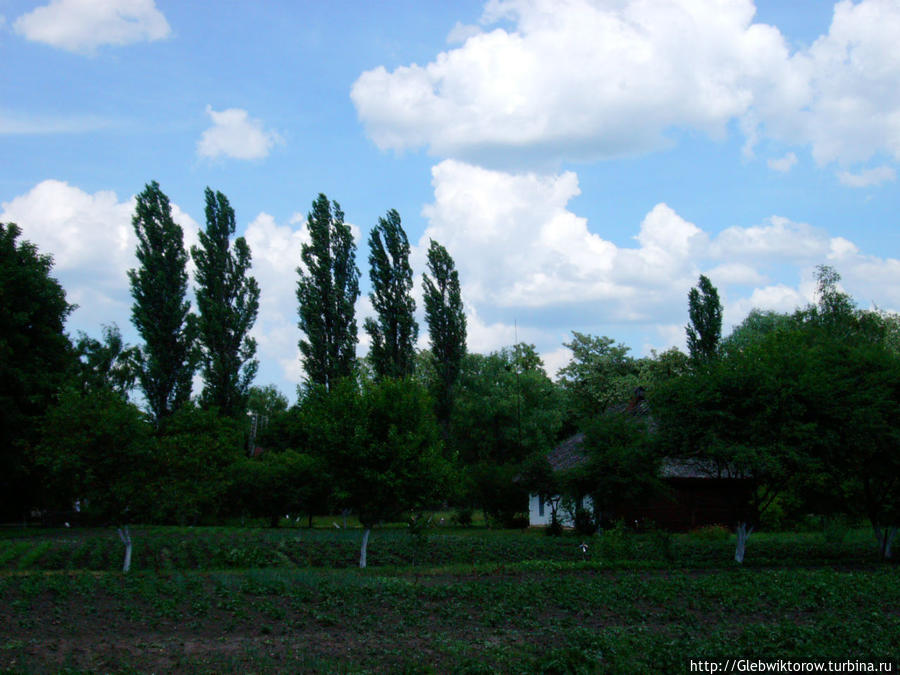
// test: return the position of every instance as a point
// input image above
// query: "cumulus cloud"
(783, 164)
(92, 243)
(509, 93)
(522, 253)
(237, 135)
(84, 25)
(868, 178)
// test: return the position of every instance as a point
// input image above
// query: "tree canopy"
(161, 311)
(228, 302)
(326, 292)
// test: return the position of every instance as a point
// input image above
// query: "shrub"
(711, 533)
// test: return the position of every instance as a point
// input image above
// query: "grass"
(475, 601)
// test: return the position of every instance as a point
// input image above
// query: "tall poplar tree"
(395, 331)
(228, 302)
(446, 324)
(327, 292)
(705, 328)
(161, 311)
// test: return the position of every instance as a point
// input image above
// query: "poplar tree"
(161, 311)
(395, 330)
(327, 292)
(705, 328)
(446, 324)
(228, 302)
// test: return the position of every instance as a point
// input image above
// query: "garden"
(447, 599)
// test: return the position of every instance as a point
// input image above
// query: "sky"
(582, 161)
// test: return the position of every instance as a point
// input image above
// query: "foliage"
(96, 448)
(327, 291)
(278, 483)
(34, 357)
(446, 325)
(381, 445)
(161, 311)
(228, 302)
(599, 374)
(507, 409)
(395, 330)
(110, 364)
(705, 329)
(266, 401)
(621, 466)
(193, 454)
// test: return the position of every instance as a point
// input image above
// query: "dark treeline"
(803, 405)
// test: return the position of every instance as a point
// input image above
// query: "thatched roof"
(570, 454)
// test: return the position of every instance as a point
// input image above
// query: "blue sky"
(584, 162)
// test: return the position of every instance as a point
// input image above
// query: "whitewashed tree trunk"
(885, 538)
(125, 536)
(362, 550)
(743, 534)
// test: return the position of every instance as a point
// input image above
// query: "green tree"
(278, 483)
(506, 411)
(600, 374)
(161, 311)
(108, 364)
(327, 292)
(395, 331)
(96, 448)
(228, 302)
(705, 329)
(384, 449)
(621, 466)
(35, 356)
(446, 326)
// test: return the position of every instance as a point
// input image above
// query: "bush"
(463, 516)
(585, 524)
(711, 533)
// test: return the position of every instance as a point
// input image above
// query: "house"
(696, 492)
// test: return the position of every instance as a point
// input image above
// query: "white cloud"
(867, 178)
(522, 253)
(235, 134)
(783, 164)
(92, 243)
(517, 91)
(509, 93)
(84, 25)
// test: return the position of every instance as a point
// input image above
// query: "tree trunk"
(125, 536)
(743, 534)
(885, 537)
(362, 550)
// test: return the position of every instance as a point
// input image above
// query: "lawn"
(457, 601)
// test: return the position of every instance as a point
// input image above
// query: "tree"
(161, 311)
(228, 302)
(278, 483)
(35, 357)
(385, 448)
(395, 331)
(621, 467)
(600, 374)
(109, 365)
(96, 448)
(327, 292)
(446, 326)
(705, 328)
(506, 411)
